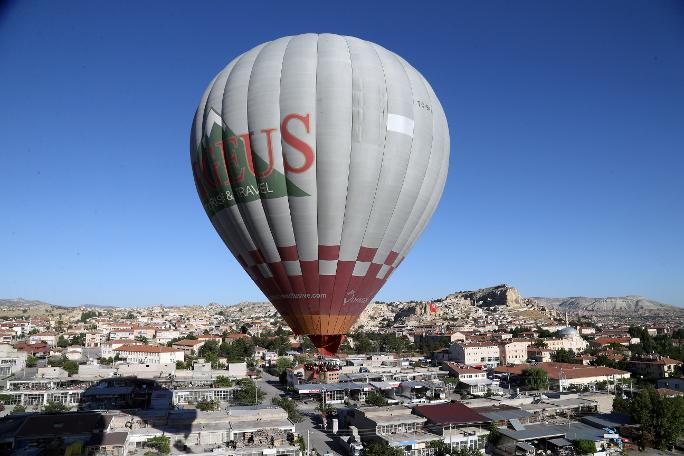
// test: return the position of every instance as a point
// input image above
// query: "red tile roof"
(569, 371)
(451, 413)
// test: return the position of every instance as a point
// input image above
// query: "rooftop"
(450, 413)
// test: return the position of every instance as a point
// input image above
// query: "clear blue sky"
(567, 125)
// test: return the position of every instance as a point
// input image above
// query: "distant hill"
(23, 303)
(610, 305)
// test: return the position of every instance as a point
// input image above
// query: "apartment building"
(513, 351)
(149, 354)
(654, 367)
(476, 353)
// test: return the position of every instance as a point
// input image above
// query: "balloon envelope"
(319, 160)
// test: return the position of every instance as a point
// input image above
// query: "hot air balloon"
(319, 160)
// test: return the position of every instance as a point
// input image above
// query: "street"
(320, 441)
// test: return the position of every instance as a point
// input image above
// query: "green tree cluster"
(222, 381)
(248, 393)
(207, 405)
(377, 448)
(565, 356)
(161, 444)
(377, 399)
(55, 407)
(443, 448)
(290, 407)
(584, 446)
(365, 342)
(70, 366)
(88, 314)
(660, 419)
(535, 378)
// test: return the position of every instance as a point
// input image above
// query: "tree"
(160, 443)
(377, 448)
(540, 344)
(180, 365)
(282, 364)
(87, 315)
(290, 407)
(31, 361)
(535, 378)
(62, 342)
(565, 356)
(207, 405)
(494, 436)
(18, 409)
(376, 399)
(71, 367)
(248, 393)
(142, 339)
(222, 382)
(55, 407)
(584, 446)
(660, 419)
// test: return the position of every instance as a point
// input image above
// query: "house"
(230, 338)
(458, 424)
(107, 347)
(395, 426)
(654, 367)
(540, 355)
(94, 339)
(676, 384)
(12, 360)
(48, 337)
(615, 340)
(189, 346)
(40, 350)
(472, 381)
(530, 439)
(476, 354)
(163, 336)
(149, 354)
(7, 337)
(513, 351)
(564, 375)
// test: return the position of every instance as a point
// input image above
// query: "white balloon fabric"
(319, 160)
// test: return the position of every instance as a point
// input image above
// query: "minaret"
(566, 320)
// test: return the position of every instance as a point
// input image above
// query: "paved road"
(320, 441)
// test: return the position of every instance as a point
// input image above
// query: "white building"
(94, 339)
(11, 360)
(166, 335)
(475, 353)
(570, 340)
(49, 337)
(108, 347)
(149, 354)
(513, 351)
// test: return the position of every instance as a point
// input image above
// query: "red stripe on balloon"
(366, 254)
(328, 252)
(391, 257)
(288, 253)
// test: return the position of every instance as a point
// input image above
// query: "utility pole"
(451, 440)
(308, 443)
